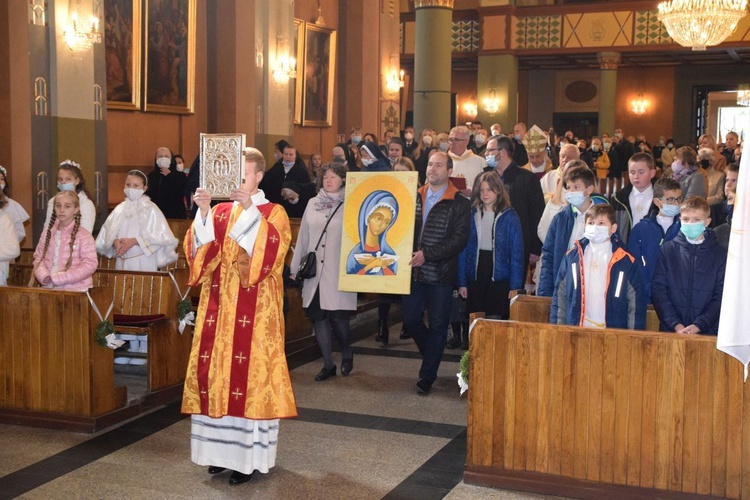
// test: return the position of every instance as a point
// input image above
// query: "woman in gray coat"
(323, 303)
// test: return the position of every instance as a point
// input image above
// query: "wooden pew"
(142, 294)
(536, 310)
(52, 370)
(591, 413)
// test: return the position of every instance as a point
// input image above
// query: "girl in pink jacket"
(65, 257)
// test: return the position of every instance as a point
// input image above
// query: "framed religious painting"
(377, 240)
(222, 164)
(122, 49)
(319, 66)
(169, 64)
(299, 50)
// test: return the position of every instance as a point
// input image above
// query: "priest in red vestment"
(237, 385)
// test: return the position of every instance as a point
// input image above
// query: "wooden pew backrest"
(535, 309)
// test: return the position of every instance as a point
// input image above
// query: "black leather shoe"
(212, 469)
(239, 477)
(423, 387)
(404, 334)
(346, 366)
(325, 373)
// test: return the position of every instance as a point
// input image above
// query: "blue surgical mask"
(693, 230)
(69, 186)
(288, 164)
(443, 146)
(491, 161)
(517, 137)
(670, 210)
(575, 198)
(356, 139)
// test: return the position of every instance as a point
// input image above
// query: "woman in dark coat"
(166, 186)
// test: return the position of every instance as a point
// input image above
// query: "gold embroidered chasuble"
(237, 363)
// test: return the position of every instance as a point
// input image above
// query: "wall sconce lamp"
(470, 108)
(284, 70)
(285, 67)
(639, 105)
(492, 103)
(79, 35)
(394, 81)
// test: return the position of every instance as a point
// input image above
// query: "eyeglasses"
(489, 150)
(672, 201)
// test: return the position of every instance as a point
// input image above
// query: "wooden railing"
(589, 413)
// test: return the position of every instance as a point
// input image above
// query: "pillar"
(498, 76)
(608, 63)
(58, 98)
(432, 64)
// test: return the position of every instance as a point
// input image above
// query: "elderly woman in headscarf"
(373, 255)
(373, 159)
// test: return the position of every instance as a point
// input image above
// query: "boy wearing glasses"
(660, 226)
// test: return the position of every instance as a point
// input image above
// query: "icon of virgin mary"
(373, 255)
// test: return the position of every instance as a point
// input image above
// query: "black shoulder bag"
(308, 266)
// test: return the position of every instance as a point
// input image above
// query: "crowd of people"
(495, 214)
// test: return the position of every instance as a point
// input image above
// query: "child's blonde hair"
(77, 224)
(695, 203)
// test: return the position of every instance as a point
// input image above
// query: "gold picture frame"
(299, 48)
(169, 56)
(319, 67)
(222, 164)
(122, 45)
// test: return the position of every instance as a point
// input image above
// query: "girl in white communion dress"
(136, 232)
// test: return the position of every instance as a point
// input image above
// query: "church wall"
(658, 87)
(309, 140)
(133, 136)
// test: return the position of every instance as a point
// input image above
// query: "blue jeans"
(430, 340)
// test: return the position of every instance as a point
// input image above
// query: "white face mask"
(479, 139)
(163, 162)
(427, 140)
(443, 146)
(596, 234)
(408, 136)
(180, 167)
(133, 194)
(367, 161)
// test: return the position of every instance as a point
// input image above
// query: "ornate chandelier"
(743, 97)
(80, 35)
(701, 23)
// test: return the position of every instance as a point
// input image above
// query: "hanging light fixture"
(701, 23)
(743, 97)
(80, 35)
(470, 108)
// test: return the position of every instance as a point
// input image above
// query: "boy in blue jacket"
(689, 277)
(567, 226)
(599, 284)
(653, 231)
